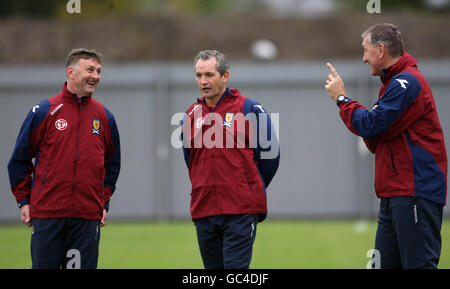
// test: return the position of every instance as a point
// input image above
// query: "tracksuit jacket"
(404, 133)
(229, 180)
(77, 158)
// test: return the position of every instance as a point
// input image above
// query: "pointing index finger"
(332, 69)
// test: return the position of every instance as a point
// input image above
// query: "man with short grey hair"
(404, 133)
(222, 62)
(388, 34)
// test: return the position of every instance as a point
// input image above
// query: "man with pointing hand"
(404, 133)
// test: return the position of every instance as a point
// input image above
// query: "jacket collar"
(231, 92)
(405, 61)
(72, 97)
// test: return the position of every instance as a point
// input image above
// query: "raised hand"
(334, 84)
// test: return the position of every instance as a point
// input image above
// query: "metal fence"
(325, 171)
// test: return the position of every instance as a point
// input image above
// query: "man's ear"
(382, 50)
(69, 72)
(226, 76)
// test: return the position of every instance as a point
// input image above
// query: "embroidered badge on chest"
(199, 122)
(96, 126)
(228, 119)
(61, 124)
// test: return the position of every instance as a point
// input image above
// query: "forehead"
(86, 62)
(366, 42)
(206, 65)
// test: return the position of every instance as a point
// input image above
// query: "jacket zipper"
(75, 163)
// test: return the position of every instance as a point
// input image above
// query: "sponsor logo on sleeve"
(402, 82)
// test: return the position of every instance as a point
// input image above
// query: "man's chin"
(89, 92)
(375, 72)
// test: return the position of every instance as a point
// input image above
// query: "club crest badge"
(61, 124)
(228, 119)
(199, 122)
(96, 126)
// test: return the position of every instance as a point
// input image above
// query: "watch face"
(341, 97)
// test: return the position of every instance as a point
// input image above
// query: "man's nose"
(95, 75)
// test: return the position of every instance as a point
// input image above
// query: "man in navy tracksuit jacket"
(230, 165)
(404, 133)
(65, 194)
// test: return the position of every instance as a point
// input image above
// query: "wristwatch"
(341, 99)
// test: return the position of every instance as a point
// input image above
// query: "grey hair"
(389, 35)
(222, 62)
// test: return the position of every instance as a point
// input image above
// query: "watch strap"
(342, 99)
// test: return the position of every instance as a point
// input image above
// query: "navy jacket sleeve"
(112, 160)
(389, 117)
(20, 165)
(267, 151)
(186, 151)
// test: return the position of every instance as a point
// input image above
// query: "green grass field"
(279, 244)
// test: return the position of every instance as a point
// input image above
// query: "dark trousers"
(408, 234)
(65, 243)
(226, 241)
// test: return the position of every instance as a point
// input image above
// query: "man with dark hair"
(64, 195)
(81, 53)
(404, 133)
(229, 171)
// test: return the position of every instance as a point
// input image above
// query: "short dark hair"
(82, 53)
(389, 35)
(222, 62)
